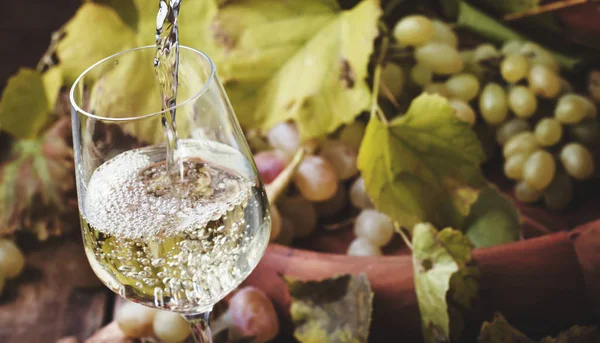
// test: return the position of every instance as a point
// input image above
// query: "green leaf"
(336, 310)
(423, 166)
(442, 264)
(25, 105)
(500, 331)
(493, 220)
(304, 60)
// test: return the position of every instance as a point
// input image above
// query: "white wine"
(179, 246)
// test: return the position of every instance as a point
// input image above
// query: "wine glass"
(177, 245)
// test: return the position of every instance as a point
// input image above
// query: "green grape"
(559, 192)
(374, 226)
(363, 247)
(464, 112)
(522, 101)
(587, 132)
(352, 134)
(545, 59)
(444, 34)
(170, 327)
(511, 47)
(544, 81)
(529, 49)
(539, 169)
(439, 58)
(591, 111)
(463, 86)
(316, 178)
(548, 131)
(521, 143)
(342, 157)
(135, 320)
(420, 75)
(392, 76)
(485, 52)
(514, 68)
(414, 30)
(358, 195)
(12, 260)
(539, 56)
(471, 66)
(526, 193)
(577, 160)
(437, 88)
(510, 129)
(513, 166)
(571, 109)
(492, 104)
(467, 56)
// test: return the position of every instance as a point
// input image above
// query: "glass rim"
(144, 116)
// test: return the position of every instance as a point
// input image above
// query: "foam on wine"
(180, 246)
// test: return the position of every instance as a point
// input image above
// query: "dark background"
(25, 30)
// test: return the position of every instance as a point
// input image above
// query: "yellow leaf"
(305, 61)
(53, 80)
(24, 106)
(95, 32)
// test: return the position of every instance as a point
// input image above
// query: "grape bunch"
(12, 261)
(326, 184)
(549, 134)
(250, 314)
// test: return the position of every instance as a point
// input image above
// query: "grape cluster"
(12, 261)
(250, 314)
(326, 183)
(548, 133)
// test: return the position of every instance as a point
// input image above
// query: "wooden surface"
(57, 296)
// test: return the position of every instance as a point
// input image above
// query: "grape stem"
(543, 8)
(276, 188)
(405, 238)
(377, 75)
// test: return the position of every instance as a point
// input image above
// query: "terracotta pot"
(539, 284)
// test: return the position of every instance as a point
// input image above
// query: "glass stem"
(199, 323)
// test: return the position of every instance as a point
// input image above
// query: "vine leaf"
(303, 61)
(27, 101)
(336, 310)
(423, 166)
(445, 279)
